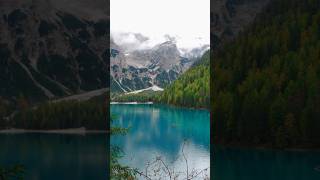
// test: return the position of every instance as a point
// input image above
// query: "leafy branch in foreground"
(118, 171)
(14, 172)
(157, 168)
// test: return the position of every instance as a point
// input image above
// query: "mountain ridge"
(140, 69)
(46, 57)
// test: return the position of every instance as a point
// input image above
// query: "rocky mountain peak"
(52, 55)
(229, 17)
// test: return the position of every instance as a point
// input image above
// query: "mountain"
(230, 17)
(191, 89)
(195, 53)
(50, 48)
(144, 68)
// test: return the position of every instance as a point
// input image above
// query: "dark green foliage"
(5, 110)
(265, 85)
(117, 170)
(191, 89)
(62, 115)
(147, 96)
(14, 172)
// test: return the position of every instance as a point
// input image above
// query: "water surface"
(254, 164)
(56, 156)
(163, 131)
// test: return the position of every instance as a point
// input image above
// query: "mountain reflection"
(157, 130)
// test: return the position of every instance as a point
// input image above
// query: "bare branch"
(184, 156)
(159, 169)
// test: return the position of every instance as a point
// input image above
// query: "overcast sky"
(186, 20)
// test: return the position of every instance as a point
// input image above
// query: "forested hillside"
(265, 86)
(65, 114)
(145, 96)
(191, 89)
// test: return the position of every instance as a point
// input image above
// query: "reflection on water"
(250, 164)
(163, 131)
(56, 156)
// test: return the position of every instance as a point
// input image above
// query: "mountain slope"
(229, 17)
(265, 85)
(50, 49)
(141, 69)
(191, 89)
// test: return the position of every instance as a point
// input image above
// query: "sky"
(145, 23)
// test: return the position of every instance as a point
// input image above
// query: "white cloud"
(188, 21)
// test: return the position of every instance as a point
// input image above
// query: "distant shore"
(132, 102)
(268, 146)
(53, 131)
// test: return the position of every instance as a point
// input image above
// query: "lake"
(56, 156)
(253, 164)
(157, 130)
(163, 131)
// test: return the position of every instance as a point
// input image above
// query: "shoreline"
(80, 131)
(150, 102)
(135, 102)
(267, 147)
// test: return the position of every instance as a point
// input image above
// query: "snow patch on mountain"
(152, 88)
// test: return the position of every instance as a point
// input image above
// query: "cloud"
(170, 38)
(185, 21)
(131, 41)
(141, 38)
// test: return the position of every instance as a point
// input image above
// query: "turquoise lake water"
(154, 131)
(163, 131)
(56, 156)
(253, 164)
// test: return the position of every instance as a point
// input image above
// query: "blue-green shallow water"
(252, 164)
(157, 130)
(161, 130)
(56, 156)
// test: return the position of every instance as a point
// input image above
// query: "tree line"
(191, 89)
(90, 114)
(265, 85)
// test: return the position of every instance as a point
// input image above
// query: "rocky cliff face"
(229, 17)
(164, 63)
(53, 48)
(140, 69)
